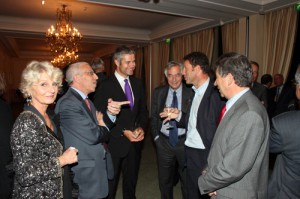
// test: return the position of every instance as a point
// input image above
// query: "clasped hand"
(135, 135)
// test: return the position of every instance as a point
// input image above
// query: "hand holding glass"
(168, 108)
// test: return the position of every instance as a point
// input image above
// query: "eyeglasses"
(90, 73)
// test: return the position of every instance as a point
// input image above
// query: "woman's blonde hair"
(32, 73)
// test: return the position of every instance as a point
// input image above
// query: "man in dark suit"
(170, 154)
(201, 121)
(282, 94)
(84, 128)
(126, 136)
(239, 155)
(98, 67)
(259, 90)
(6, 123)
(284, 140)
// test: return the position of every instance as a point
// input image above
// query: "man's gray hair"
(97, 63)
(73, 69)
(172, 64)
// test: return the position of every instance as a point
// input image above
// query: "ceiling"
(107, 23)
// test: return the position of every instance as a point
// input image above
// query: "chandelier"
(63, 40)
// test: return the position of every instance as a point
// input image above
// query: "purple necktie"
(128, 93)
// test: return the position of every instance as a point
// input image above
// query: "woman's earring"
(28, 100)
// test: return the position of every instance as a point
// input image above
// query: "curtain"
(203, 41)
(230, 36)
(181, 47)
(139, 62)
(163, 59)
(279, 37)
(147, 74)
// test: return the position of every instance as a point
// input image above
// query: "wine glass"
(168, 108)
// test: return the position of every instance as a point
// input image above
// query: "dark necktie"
(277, 94)
(88, 103)
(128, 93)
(222, 113)
(173, 132)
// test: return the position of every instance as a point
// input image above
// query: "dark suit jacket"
(286, 96)
(6, 123)
(110, 88)
(80, 130)
(261, 92)
(207, 116)
(158, 104)
(284, 140)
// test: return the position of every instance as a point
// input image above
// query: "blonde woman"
(39, 159)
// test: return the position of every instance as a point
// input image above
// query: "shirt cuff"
(111, 117)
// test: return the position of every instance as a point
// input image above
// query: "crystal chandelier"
(63, 40)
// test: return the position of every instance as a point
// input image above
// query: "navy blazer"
(208, 114)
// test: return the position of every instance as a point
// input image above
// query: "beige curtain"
(163, 59)
(181, 46)
(139, 57)
(147, 73)
(279, 37)
(230, 37)
(203, 41)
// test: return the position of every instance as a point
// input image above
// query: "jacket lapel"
(186, 99)
(83, 104)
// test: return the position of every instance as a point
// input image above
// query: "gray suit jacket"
(80, 130)
(239, 155)
(285, 140)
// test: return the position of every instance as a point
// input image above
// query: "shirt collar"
(119, 77)
(80, 93)
(178, 91)
(202, 88)
(235, 98)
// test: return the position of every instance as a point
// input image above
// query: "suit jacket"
(6, 123)
(80, 130)
(239, 155)
(284, 140)
(158, 104)
(207, 115)
(127, 119)
(261, 92)
(286, 96)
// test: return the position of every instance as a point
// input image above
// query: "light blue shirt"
(235, 98)
(193, 138)
(169, 100)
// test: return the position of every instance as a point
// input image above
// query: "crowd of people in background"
(213, 132)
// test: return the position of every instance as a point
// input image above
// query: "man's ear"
(230, 79)
(76, 78)
(117, 62)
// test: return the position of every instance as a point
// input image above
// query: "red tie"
(222, 114)
(88, 103)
